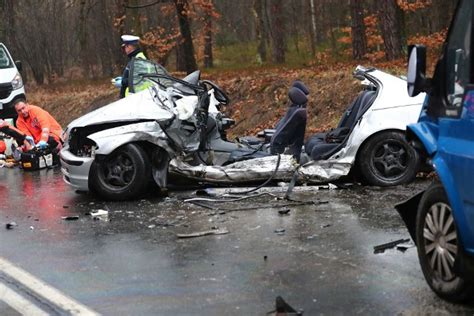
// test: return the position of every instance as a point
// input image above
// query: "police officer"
(132, 49)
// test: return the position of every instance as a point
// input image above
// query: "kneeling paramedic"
(40, 128)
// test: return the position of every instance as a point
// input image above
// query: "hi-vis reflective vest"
(143, 84)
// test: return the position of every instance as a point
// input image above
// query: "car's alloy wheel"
(121, 175)
(439, 247)
(440, 240)
(387, 159)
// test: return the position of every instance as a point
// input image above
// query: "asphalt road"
(319, 256)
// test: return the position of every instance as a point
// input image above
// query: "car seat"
(323, 145)
(291, 128)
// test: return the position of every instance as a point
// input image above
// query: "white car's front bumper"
(75, 169)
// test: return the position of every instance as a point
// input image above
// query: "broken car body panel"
(168, 118)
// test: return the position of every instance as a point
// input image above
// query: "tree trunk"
(208, 56)
(294, 26)
(389, 16)
(187, 61)
(278, 32)
(313, 27)
(106, 37)
(120, 12)
(134, 17)
(3, 33)
(257, 11)
(83, 43)
(359, 42)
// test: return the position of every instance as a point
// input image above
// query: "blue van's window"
(458, 55)
(5, 61)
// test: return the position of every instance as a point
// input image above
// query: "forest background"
(254, 49)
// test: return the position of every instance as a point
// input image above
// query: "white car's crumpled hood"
(135, 107)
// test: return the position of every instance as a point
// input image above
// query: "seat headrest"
(297, 96)
(300, 85)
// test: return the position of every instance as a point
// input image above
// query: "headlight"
(17, 82)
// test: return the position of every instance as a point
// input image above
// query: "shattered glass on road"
(316, 250)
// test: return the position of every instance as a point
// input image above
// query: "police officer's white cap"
(130, 39)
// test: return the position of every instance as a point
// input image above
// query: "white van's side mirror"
(416, 77)
(18, 65)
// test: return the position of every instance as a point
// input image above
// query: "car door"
(456, 127)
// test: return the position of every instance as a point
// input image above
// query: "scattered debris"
(206, 192)
(11, 225)
(151, 226)
(405, 247)
(214, 231)
(101, 215)
(284, 212)
(70, 218)
(381, 248)
(283, 308)
(280, 231)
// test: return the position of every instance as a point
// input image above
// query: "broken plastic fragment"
(11, 225)
(102, 215)
(381, 248)
(283, 308)
(70, 218)
(219, 231)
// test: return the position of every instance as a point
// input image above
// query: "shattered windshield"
(143, 67)
(5, 61)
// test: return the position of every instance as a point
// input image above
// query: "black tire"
(438, 246)
(387, 159)
(122, 175)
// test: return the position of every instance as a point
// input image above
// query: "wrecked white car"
(175, 130)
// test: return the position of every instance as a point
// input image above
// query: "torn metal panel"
(260, 169)
(243, 171)
(107, 140)
(323, 171)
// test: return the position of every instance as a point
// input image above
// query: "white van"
(11, 84)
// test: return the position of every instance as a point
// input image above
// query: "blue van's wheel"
(387, 159)
(439, 247)
(122, 175)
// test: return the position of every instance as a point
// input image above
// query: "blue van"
(441, 219)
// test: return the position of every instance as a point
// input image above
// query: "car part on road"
(283, 308)
(439, 246)
(381, 248)
(102, 215)
(11, 225)
(387, 159)
(219, 231)
(70, 218)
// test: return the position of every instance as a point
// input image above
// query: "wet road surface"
(319, 256)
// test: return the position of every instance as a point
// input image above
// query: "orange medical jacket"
(36, 121)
